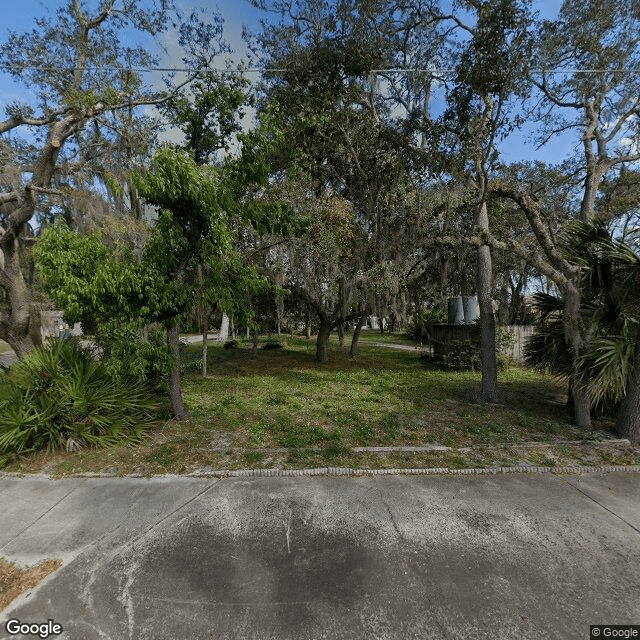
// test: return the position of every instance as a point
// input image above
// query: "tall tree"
(490, 71)
(84, 76)
(343, 135)
(192, 226)
(593, 56)
(209, 113)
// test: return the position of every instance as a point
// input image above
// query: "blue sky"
(19, 16)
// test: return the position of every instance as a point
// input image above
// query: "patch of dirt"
(15, 581)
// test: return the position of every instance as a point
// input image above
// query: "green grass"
(247, 408)
(374, 335)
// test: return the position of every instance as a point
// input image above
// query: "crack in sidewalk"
(49, 510)
(613, 513)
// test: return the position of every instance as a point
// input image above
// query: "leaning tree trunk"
(353, 351)
(16, 324)
(322, 342)
(487, 320)
(175, 388)
(628, 419)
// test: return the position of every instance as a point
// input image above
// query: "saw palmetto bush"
(60, 396)
(610, 307)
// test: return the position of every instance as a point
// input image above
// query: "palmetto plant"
(610, 307)
(61, 397)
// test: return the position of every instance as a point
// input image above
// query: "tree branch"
(51, 192)
(12, 123)
(9, 196)
(544, 87)
(531, 210)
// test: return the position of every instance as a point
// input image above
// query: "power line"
(434, 71)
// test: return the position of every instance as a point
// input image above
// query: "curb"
(345, 471)
(339, 471)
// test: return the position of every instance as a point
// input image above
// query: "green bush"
(272, 344)
(462, 355)
(130, 359)
(505, 340)
(61, 397)
(418, 330)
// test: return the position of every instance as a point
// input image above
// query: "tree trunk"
(223, 336)
(205, 343)
(16, 323)
(487, 320)
(393, 319)
(353, 351)
(175, 388)
(322, 343)
(254, 347)
(307, 325)
(18, 326)
(581, 402)
(341, 334)
(279, 315)
(628, 419)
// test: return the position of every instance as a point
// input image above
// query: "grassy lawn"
(283, 410)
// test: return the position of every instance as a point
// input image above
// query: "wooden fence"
(522, 332)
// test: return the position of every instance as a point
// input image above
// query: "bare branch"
(454, 18)
(353, 154)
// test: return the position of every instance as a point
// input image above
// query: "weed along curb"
(428, 447)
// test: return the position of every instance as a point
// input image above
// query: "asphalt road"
(497, 557)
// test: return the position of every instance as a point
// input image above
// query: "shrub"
(272, 344)
(505, 340)
(61, 397)
(418, 330)
(462, 355)
(231, 344)
(128, 358)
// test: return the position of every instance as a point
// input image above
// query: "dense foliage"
(60, 396)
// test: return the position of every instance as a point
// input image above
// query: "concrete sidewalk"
(496, 557)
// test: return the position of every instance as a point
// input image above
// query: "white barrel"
(471, 309)
(455, 313)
